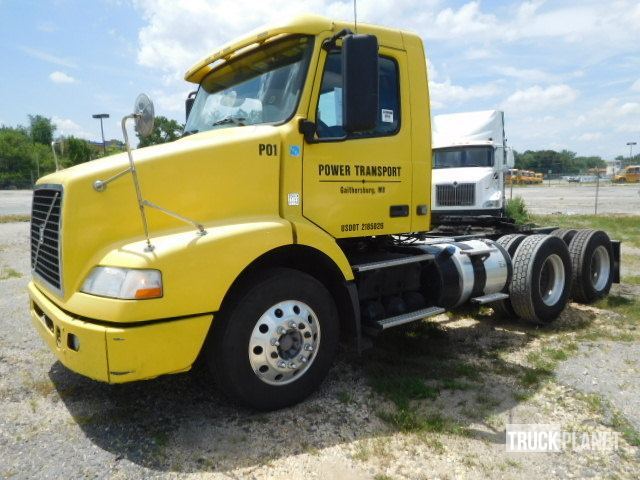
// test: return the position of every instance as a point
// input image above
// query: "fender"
(307, 233)
(197, 271)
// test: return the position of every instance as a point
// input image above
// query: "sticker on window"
(387, 116)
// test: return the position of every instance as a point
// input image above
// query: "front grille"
(45, 234)
(456, 195)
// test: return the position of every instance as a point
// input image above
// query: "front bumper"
(117, 354)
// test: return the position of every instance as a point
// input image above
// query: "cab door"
(359, 184)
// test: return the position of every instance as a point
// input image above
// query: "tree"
(22, 160)
(164, 130)
(558, 162)
(41, 129)
(78, 150)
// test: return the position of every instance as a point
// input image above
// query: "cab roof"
(301, 25)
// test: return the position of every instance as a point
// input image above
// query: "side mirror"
(188, 104)
(510, 160)
(360, 82)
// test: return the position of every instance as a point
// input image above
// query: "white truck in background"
(470, 158)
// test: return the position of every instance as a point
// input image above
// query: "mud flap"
(615, 247)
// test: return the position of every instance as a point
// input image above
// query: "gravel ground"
(15, 202)
(56, 424)
(609, 369)
(579, 199)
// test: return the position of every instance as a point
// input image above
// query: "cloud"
(527, 74)
(590, 136)
(539, 98)
(47, 27)
(47, 57)
(537, 48)
(68, 127)
(447, 94)
(61, 77)
(630, 108)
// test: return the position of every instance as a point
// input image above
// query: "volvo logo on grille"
(455, 184)
(41, 234)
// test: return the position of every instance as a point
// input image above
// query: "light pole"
(102, 116)
(631, 144)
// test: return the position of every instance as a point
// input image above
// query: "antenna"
(355, 17)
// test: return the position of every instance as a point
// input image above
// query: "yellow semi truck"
(293, 212)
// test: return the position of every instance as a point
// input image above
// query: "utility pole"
(631, 144)
(101, 116)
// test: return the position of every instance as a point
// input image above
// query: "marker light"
(123, 283)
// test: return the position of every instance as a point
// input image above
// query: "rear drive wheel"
(592, 260)
(566, 234)
(510, 243)
(275, 344)
(541, 278)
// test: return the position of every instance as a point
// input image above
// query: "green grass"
(631, 279)
(8, 272)
(517, 210)
(629, 433)
(346, 397)
(14, 218)
(401, 389)
(627, 307)
(409, 420)
(625, 228)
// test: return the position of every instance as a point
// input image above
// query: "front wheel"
(275, 343)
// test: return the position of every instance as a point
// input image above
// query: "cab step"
(384, 324)
(492, 297)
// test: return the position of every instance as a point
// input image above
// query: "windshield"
(262, 86)
(463, 157)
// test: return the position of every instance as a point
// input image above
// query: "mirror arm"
(308, 129)
(134, 174)
(330, 43)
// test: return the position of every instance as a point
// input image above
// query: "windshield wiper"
(235, 120)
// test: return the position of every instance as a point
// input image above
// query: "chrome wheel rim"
(600, 268)
(284, 342)
(552, 280)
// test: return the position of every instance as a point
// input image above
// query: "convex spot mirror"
(360, 82)
(188, 104)
(144, 115)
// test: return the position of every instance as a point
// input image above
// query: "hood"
(208, 177)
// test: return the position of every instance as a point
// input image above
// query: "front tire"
(273, 346)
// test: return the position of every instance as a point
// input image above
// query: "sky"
(566, 73)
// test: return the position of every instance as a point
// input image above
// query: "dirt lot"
(15, 202)
(430, 402)
(572, 198)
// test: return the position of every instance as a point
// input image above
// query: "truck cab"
(291, 214)
(470, 160)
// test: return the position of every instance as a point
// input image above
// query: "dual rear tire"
(549, 269)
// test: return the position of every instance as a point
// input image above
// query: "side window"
(329, 113)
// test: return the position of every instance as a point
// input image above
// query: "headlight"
(123, 283)
(491, 204)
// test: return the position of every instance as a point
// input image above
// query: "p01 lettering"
(267, 149)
